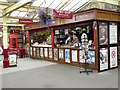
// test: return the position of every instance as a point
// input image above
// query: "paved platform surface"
(32, 73)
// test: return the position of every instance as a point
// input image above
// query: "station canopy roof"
(21, 10)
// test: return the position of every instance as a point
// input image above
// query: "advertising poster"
(60, 53)
(67, 55)
(38, 54)
(113, 57)
(55, 54)
(46, 52)
(113, 33)
(41, 52)
(74, 55)
(66, 31)
(12, 59)
(56, 32)
(91, 57)
(81, 56)
(50, 52)
(103, 33)
(31, 51)
(103, 58)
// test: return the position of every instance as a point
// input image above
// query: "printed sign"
(50, 52)
(91, 57)
(41, 52)
(63, 14)
(12, 59)
(81, 56)
(103, 58)
(1, 50)
(38, 54)
(45, 52)
(67, 55)
(25, 21)
(74, 55)
(61, 53)
(34, 51)
(113, 33)
(85, 16)
(31, 51)
(103, 33)
(55, 54)
(113, 57)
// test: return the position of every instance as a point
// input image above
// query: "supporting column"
(5, 44)
(5, 34)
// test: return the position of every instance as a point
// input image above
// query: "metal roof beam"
(15, 6)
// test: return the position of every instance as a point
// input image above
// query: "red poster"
(63, 14)
(25, 21)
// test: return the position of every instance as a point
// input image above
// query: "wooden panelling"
(77, 63)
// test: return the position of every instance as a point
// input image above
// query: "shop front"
(63, 43)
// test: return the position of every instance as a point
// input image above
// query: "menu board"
(60, 53)
(55, 54)
(103, 59)
(113, 33)
(67, 55)
(74, 55)
(41, 52)
(113, 57)
(50, 52)
(12, 59)
(103, 33)
(45, 52)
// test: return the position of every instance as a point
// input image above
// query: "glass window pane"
(71, 4)
(47, 3)
(37, 2)
(63, 2)
(15, 13)
(21, 14)
(79, 5)
(55, 4)
(36, 16)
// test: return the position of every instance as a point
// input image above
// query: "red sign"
(85, 16)
(25, 21)
(113, 54)
(27, 27)
(63, 14)
(1, 26)
(14, 31)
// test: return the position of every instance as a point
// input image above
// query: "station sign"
(63, 14)
(25, 21)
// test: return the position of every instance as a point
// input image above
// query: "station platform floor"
(33, 73)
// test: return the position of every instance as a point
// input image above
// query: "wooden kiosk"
(105, 38)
